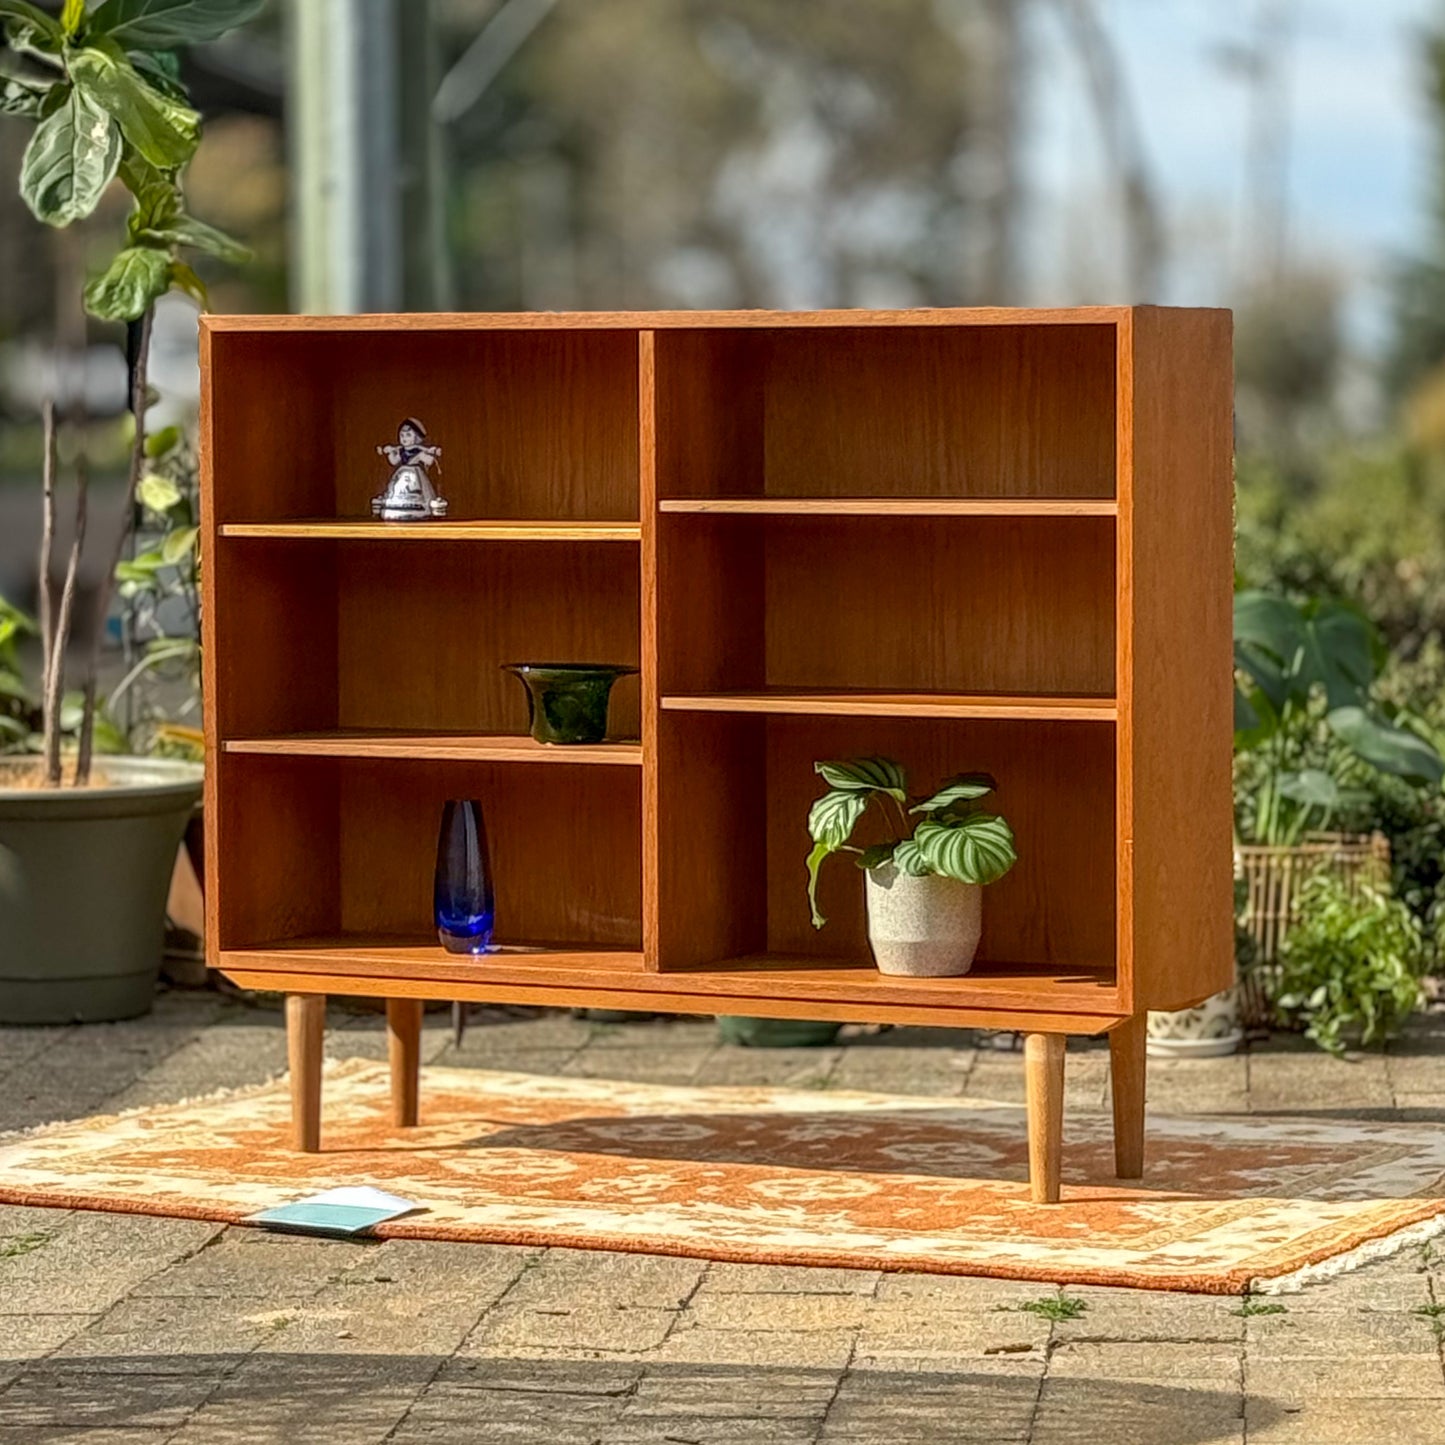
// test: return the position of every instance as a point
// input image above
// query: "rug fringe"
(1370, 1252)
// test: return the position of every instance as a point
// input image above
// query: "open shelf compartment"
(893, 414)
(739, 904)
(792, 606)
(533, 425)
(408, 642)
(343, 850)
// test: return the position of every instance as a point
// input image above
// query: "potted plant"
(924, 881)
(87, 849)
(1310, 730)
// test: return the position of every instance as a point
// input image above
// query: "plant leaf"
(157, 493)
(136, 279)
(162, 69)
(832, 818)
(183, 277)
(964, 788)
(908, 858)
(1386, 747)
(72, 16)
(977, 848)
(182, 230)
(1312, 787)
(163, 130)
(157, 444)
(875, 855)
(34, 17)
(178, 544)
(71, 158)
(162, 24)
(815, 861)
(865, 775)
(21, 97)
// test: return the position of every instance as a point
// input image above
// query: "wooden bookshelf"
(966, 539)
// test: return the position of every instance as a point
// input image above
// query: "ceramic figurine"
(409, 494)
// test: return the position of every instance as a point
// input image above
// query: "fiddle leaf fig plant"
(953, 837)
(101, 86)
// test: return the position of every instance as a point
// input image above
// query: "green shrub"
(1351, 967)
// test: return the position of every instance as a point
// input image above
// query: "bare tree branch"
(139, 401)
(55, 680)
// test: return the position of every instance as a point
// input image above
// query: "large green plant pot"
(83, 879)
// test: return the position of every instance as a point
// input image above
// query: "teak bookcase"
(968, 539)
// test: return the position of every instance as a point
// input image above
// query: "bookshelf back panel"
(1017, 411)
(423, 630)
(536, 425)
(358, 838)
(896, 604)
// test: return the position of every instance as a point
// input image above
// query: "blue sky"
(1357, 157)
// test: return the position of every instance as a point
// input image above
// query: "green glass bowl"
(567, 701)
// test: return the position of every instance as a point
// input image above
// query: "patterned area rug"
(773, 1176)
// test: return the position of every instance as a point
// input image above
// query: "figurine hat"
(414, 424)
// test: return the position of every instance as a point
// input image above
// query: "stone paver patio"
(118, 1330)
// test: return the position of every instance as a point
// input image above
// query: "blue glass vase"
(465, 906)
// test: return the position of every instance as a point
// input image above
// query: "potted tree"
(87, 847)
(924, 881)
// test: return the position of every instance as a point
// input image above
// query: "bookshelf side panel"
(1176, 607)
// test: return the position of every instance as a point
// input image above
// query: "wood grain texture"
(1175, 659)
(923, 605)
(1128, 1068)
(1038, 707)
(1044, 1080)
(670, 320)
(403, 1051)
(520, 531)
(795, 977)
(1020, 411)
(891, 506)
(305, 1042)
(456, 747)
(634, 1000)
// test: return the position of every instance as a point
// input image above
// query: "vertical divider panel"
(648, 661)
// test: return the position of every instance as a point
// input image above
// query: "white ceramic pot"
(1208, 1031)
(922, 927)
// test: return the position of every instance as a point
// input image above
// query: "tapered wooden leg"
(305, 1033)
(1126, 1083)
(1044, 1075)
(403, 1040)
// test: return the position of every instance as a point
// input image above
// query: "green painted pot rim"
(135, 786)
